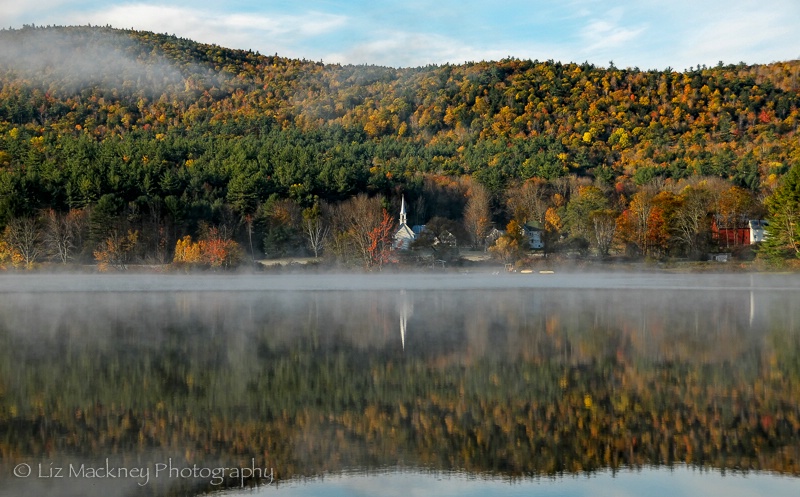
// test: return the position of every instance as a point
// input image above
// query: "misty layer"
(67, 60)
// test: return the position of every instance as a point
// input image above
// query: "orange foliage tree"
(380, 241)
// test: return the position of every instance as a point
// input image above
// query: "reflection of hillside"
(515, 382)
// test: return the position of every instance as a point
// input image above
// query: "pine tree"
(783, 232)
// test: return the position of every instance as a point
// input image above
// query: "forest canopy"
(161, 137)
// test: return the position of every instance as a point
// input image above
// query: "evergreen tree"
(783, 232)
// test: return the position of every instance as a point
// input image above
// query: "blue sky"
(649, 34)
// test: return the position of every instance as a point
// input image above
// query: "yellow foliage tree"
(187, 252)
(9, 256)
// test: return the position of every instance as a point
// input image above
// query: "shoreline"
(304, 265)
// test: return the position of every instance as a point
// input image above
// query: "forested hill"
(173, 127)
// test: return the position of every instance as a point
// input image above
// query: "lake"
(382, 384)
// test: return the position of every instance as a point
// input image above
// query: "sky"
(648, 34)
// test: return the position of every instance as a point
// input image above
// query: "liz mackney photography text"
(145, 474)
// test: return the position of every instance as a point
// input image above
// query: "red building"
(746, 232)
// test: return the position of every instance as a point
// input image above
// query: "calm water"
(441, 384)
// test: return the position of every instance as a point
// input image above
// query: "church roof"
(404, 232)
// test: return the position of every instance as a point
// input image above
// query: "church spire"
(403, 211)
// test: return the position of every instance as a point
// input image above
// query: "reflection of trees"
(525, 382)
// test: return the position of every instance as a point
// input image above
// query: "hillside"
(151, 128)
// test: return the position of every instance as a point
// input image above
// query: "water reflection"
(681, 481)
(513, 382)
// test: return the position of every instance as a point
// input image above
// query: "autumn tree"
(117, 250)
(8, 257)
(735, 205)
(219, 251)
(633, 223)
(355, 222)
(477, 218)
(511, 245)
(212, 250)
(552, 227)
(380, 242)
(187, 252)
(661, 223)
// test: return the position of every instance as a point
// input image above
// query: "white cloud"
(410, 49)
(744, 34)
(15, 12)
(403, 49)
(643, 33)
(268, 33)
(609, 33)
(601, 34)
(684, 33)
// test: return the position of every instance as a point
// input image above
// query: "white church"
(404, 234)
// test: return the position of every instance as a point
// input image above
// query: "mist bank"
(222, 282)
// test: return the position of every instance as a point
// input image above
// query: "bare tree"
(529, 201)
(566, 186)
(316, 228)
(604, 225)
(691, 216)
(62, 235)
(24, 236)
(477, 218)
(354, 220)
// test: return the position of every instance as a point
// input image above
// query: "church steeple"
(404, 235)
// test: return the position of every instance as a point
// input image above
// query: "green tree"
(783, 232)
(578, 219)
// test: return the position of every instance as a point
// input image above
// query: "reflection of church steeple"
(406, 308)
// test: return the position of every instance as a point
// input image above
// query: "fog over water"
(388, 281)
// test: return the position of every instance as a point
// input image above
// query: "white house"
(533, 233)
(757, 233)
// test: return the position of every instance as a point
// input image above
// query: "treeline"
(163, 138)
